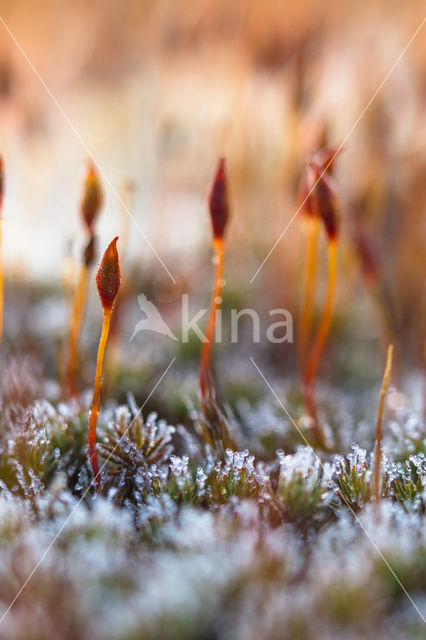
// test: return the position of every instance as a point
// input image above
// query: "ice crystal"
(187, 535)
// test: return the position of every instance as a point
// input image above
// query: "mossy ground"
(270, 541)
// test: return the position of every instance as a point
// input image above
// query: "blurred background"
(155, 91)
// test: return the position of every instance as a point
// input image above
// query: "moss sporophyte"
(322, 207)
(219, 215)
(90, 206)
(108, 279)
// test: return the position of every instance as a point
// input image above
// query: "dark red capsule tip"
(218, 201)
(108, 277)
(327, 156)
(306, 194)
(326, 201)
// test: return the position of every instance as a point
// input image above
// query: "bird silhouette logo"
(153, 320)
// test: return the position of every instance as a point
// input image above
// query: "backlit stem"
(1, 279)
(320, 339)
(75, 329)
(205, 381)
(378, 449)
(308, 301)
(93, 456)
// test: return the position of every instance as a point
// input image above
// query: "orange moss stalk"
(313, 223)
(322, 160)
(1, 240)
(378, 449)
(90, 205)
(108, 280)
(219, 214)
(79, 303)
(327, 208)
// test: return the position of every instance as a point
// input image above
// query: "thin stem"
(93, 456)
(75, 328)
(378, 450)
(205, 378)
(1, 279)
(321, 337)
(308, 301)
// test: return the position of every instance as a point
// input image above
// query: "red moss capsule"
(306, 194)
(326, 201)
(91, 201)
(326, 158)
(218, 201)
(108, 277)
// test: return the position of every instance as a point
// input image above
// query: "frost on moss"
(190, 541)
